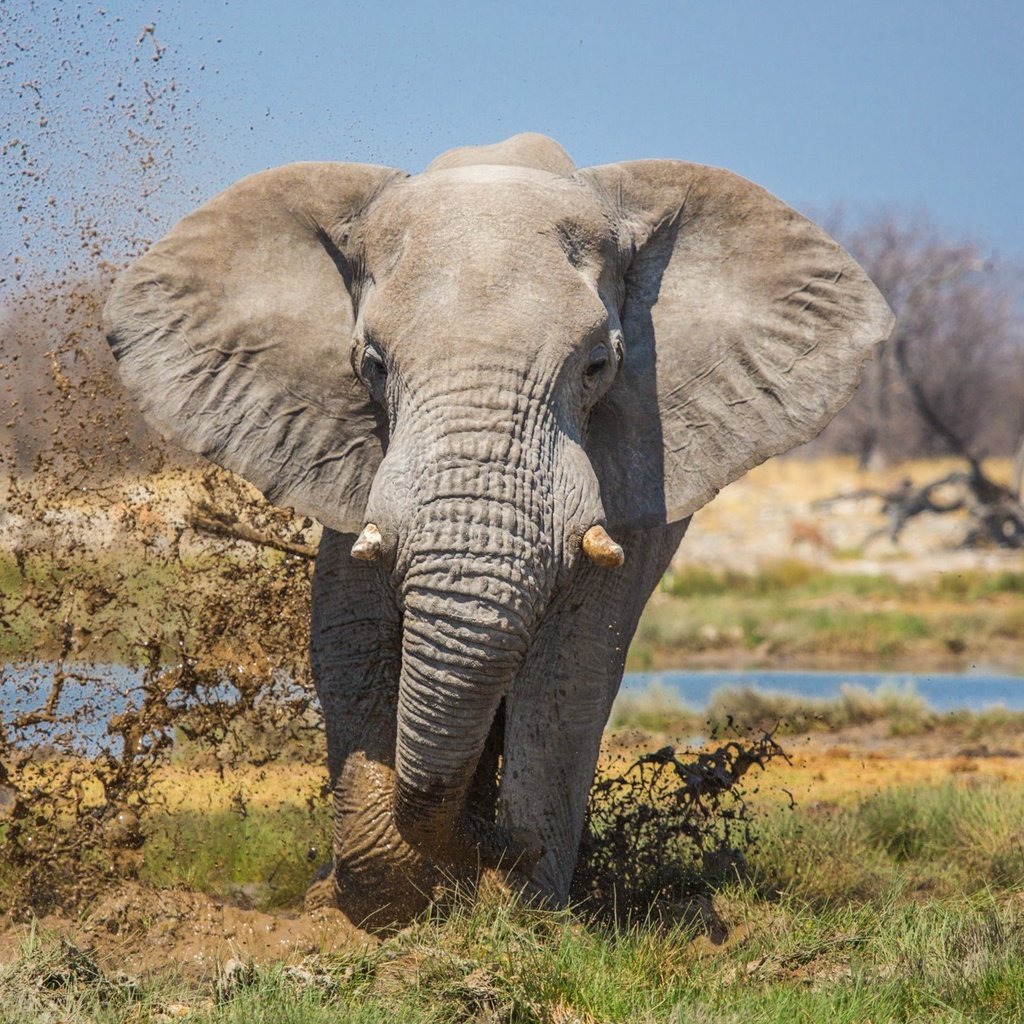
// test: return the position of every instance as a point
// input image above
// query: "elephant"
(503, 385)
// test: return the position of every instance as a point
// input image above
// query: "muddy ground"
(144, 931)
(148, 931)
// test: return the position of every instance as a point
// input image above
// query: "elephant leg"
(559, 703)
(376, 877)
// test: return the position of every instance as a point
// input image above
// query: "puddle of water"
(92, 694)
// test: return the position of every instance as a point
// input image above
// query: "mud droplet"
(8, 801)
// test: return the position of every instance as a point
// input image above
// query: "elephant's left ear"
(746, 328)
(234, 334)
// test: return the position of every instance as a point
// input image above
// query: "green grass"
(795, 609)
(265, 859)
(903, 842)
(936, 961)
(795, 576)
(655, 708)
(902, 906)
(902, 710)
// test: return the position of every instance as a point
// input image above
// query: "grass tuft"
(658, 709)
(944, 840)
(655, 708)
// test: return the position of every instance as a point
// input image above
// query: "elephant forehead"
(488, 215)
(486, 252)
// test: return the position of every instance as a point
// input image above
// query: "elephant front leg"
(552, 744)
(376, 878)
(560, 701)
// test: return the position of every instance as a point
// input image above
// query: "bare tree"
(950, 380)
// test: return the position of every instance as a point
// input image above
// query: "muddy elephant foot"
(320, 892)
(378, 906)
(380, 881)
(382, 899)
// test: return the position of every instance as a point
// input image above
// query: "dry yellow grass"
(186, 788)
(821, 770)
(844, 774)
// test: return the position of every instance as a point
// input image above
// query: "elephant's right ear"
(234, 332)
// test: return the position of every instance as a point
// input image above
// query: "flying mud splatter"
(666, 829)
(100, 562)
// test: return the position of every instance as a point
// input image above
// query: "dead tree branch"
(902, 503)
(922, 291)
(1018, 473)
(996, 511)
(206, 519)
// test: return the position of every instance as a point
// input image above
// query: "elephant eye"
(596, 364)
(373, 368)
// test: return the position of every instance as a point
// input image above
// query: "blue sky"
(910, 104)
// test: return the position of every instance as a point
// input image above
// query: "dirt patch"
(144, 930)
(147, 930)
(783, 507)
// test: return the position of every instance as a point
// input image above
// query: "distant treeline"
(960, 330)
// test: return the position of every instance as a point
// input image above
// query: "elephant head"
(487, 372)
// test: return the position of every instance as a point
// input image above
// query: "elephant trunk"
(477, 530)
(450, 687)
(469, 607)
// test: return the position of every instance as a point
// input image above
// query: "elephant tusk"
(367, 545)
(601, 549)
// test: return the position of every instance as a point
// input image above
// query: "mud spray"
(153, 608)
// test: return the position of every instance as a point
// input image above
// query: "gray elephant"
(476, 377)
